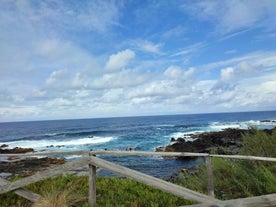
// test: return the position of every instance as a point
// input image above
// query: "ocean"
(144, 133)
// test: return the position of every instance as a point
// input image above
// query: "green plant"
(240, 178)
(71, 190)
(57, 198)
(259, 143)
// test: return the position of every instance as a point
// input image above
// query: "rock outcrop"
(15, 150)
(227, 141)
(28, 166)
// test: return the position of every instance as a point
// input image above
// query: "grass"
(239, 178)
(69, 190)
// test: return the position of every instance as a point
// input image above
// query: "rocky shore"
(26, 167)
(227, 141)
(16, 150)
(16, 166)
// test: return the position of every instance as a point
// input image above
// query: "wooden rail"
(29, 195)
(43, 175)
(152, 181)
(89, 158)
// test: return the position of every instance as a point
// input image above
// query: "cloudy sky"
(98, 58)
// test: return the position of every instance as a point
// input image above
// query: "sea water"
(137, 133)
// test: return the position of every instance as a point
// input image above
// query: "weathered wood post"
(210, 185)
(92, 183)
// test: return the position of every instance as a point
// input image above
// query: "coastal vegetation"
(70, 190)
(239, 178)
(232, 179)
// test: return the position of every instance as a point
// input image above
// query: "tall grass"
(240, 178)
(258, 143)
(59, 198)
(70, 190)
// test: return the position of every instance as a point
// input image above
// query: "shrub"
(240, 178)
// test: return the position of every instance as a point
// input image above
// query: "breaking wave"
(47, 143)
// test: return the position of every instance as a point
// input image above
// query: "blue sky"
(85, 59)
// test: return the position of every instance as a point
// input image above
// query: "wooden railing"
(89, 158)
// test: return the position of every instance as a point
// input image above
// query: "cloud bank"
(84, 59)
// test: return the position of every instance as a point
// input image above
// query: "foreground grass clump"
(240, 178)
(70, 190)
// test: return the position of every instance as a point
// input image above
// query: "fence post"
(210, 185)
(92, 184)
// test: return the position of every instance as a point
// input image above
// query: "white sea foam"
(165, 125)
(217, 126)
(42, 144)
(185, 135)
(51, 134)
(177, 134)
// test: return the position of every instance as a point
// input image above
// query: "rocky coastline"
(16, 150)
(28, 166)
(227, 141)
(22, 167)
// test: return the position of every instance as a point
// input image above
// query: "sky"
(66, 59)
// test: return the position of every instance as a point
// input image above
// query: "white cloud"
(246, 68)
(54, 63)
(145, 46)
(231, 16)
(82, 94)
(231, 76)
(91, 15)
(57, 78)
(189, 73)
(161, 89)
(114, 96)
(37, 93)
(97, 15)
(177, 73)
(59, 102)
(227, 74)
(119, 60)
(78, 81)
(21, 113)
(252, 93)
(261, 59)
(239, 15)
(240, 71)
(173, 72)
(150, 47)
(173, 84)
(41, 36)
(258, 92)
(189, 49)
(174, 32)
(121, 79)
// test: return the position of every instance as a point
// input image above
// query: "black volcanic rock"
(180, 140)
(28, 166)
(16, 150)
(227, 141)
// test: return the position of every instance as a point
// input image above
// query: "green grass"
(239, 178)
(111, 191)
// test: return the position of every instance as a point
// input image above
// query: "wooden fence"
(89, 158)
